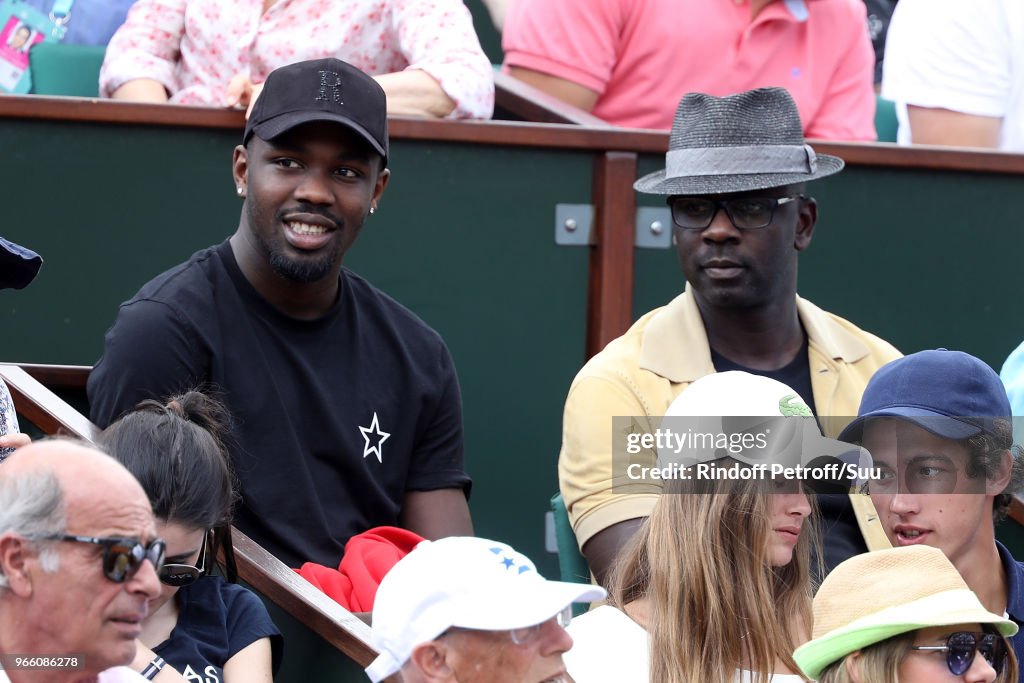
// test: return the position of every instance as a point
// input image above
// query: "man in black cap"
(734, 180)
(346, 406)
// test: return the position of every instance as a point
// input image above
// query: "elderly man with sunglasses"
(78, 564)
(735, 179)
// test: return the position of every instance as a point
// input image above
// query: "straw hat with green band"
(881, 594)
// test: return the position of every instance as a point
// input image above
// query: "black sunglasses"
(122, 557)
(961, 646)
(179, 575)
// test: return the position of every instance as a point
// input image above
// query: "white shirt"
(963, 56)
(609, 647)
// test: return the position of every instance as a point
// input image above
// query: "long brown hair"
(716, 602)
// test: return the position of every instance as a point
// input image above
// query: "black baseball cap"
(321, 90)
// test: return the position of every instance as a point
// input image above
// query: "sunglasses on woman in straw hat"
(904, 615)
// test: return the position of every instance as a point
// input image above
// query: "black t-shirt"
(216, 620)
(334, 418)
(840, 532)
(796, 374)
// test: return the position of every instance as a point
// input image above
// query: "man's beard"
(301, 270)
(309, 270)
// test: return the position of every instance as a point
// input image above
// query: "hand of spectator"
(414, 92)
(16, 440)
(242, 92)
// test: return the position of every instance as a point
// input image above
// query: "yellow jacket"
(640, 373)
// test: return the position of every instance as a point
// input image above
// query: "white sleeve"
(950, 54)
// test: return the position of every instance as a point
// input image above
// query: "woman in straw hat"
(904, 616)
(715, 587)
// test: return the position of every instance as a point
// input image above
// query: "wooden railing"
(257, 567)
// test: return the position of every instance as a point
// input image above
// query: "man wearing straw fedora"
(735, 179)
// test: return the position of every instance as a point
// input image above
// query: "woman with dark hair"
(200, 625)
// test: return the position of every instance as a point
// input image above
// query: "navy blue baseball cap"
(18, 265)
(951, 394)
(321, 90)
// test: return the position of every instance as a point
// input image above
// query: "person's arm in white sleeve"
(448, 72)
(142, 56)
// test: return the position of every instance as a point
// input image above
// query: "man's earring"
(373, 210)
(241, 191)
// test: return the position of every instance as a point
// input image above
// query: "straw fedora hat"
(750, 141)
(881, 594)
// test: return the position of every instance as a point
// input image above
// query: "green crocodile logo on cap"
(792, 405)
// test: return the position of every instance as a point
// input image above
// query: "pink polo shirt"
(642, 56)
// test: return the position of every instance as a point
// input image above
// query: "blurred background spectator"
(628, 62)
(90, 22)
(879, 15)
(956, 72)
(424, 53)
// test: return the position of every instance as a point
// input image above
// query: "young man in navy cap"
(938, 426)
(347, 407)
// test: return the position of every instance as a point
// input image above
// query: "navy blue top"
(216, 620)
(1014, 600)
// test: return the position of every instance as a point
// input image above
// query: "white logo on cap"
(374, 435)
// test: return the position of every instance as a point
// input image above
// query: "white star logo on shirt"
(373, 435)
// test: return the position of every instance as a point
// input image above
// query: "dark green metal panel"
(490, 39)
(922, 258)
(108, 207)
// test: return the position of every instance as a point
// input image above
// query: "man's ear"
(1001, 474)
(806, 220)
(382, 182)
(15, 553)
(430, 660)
(240, 168)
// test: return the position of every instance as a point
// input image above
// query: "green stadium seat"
(571, 564)
(70, 70)
(886, 123)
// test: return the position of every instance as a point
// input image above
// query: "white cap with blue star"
(466, 582)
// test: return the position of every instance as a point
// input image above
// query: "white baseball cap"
(467, 582)
(735, 402)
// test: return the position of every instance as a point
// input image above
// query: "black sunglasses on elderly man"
(179, 575)
(122, 557)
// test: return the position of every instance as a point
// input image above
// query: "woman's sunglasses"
(961, 646)
(179, 575)
(122, 557)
